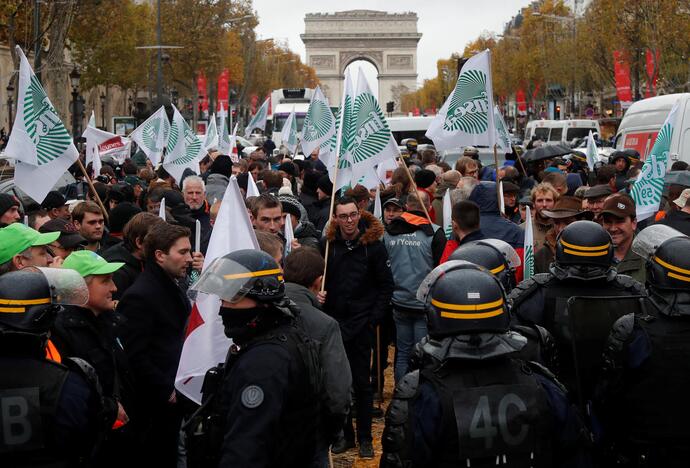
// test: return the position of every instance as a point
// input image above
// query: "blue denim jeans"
(409, 329)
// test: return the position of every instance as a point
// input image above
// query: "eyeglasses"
(347, 217)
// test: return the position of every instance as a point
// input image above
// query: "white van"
(555, 132)
(644, 119)
(410, 127)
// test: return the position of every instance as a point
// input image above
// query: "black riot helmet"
(31, 298)
(243, 273)
(669, 267)
(495, 255)
(585, 249)
(462, 298)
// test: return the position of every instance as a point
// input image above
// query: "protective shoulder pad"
(544, 371)
(408, 386)
(85, 370)
(527, 287)
(630, 284)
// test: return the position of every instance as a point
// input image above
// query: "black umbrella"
(546, 152)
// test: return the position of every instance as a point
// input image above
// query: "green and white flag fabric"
(338, 146)
(223, 136)
(211, 138)
(152, 135)
(378, 209)
(289, 133)
(447, 215)
(529, 245)
(467, 116)
(649, 185)
(371, 139)
(319, 123)
(259, 119)
(592, 154)
(184, 148)
(502, 134)
(233, 144)
(92, 155)
(39, 142)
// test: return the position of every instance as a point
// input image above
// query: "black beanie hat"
(325, 185)
(7, 201)
(221, 165)
(424, 178)
(121, 214)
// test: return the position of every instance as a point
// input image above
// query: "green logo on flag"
(529, 261)
(469, 107)
(192, 147)
(43, 124)
(649, 186)
(150, 135)
(174, 133)
(371, 132)
(318, 121)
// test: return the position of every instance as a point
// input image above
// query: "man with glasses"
(359, 284)
(69, 241)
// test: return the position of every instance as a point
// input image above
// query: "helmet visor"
(227, 279)
(67, 287)
(505, 248)
(428, 283)
(650, 238)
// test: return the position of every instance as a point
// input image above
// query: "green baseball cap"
(86, 263)
(16, 238)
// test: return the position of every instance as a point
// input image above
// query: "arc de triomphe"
(386, 40)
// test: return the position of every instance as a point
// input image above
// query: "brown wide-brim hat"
(567, 207)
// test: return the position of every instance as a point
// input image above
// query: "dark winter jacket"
(321, 213)
(358, 279)
(127, 275)
(77, 332)
(492, 224)
(156, 310)
(307, 200)
(324, 329)
(204, 217)
(678, 220)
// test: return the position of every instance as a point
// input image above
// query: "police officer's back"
(583, 266)
(643, 395)
(50, 414)
(268, 399)
(472, 403)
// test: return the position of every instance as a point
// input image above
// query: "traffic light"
(390, 106)
(558, 112)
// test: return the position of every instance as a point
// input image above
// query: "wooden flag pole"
(414, 186)
(498, 179)
(93, 189)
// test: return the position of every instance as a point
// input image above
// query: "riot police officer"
(472, 403)
(501, 259)
(267, 406)
(583, 266)
(646, 369)
(51, 412)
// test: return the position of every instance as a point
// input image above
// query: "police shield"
(590, 322)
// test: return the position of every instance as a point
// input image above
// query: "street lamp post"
(74, 77)
(10, 93)
(103, 111)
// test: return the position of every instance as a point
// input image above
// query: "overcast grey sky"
(446, 25)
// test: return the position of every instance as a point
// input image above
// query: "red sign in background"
(223, 89)
(621, 69)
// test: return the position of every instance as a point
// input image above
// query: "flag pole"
(414, 186)
(93, 189)
(498, 178)
(378, 364)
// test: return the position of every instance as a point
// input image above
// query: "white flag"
(252, 189)
(592, 154)
(233, 145)
(501, 200)
(184, 148)
(338, 145)
(223, 137)
(39, 143)
(502, 135)
(371, 140)
(289, 233)
(447, 215)
(378, 210)
(529, 245)
(92, 155)
(100, 143)
(161, 209)
(649, 186)
(152, 135)
(467, 117)
(205, 343)
(289, 133)
(211, 138)
(259, 119)
(319, 123)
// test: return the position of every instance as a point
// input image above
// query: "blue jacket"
(492, 224)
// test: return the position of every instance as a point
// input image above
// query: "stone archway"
(386, 40)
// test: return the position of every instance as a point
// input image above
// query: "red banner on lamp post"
(201, 84)
(652, 69)
(521, 100)
(223, 89)
(621, 69)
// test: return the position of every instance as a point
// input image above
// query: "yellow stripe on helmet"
(466, 316)
(487, 305)
(668, 266)
(25, 302)
(586, 254)
(253, 274)
(498, 269)
(12, 310)
(582, 247)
